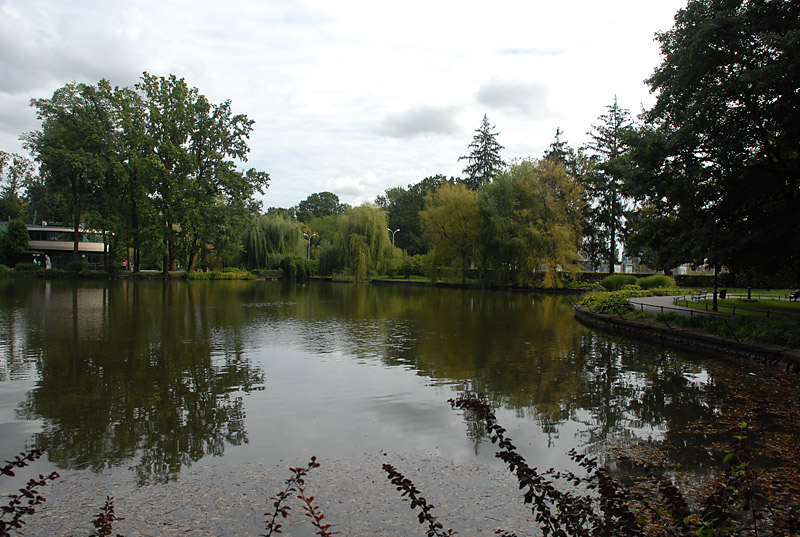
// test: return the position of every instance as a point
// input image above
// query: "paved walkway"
(663, 304)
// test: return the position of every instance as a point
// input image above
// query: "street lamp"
(393, 232)
(309, 243)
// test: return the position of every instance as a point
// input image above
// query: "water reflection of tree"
(140, 372)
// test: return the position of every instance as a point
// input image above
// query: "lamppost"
(309, 243)
(393, 232)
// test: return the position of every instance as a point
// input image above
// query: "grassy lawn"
(756, 294)
(747, 307)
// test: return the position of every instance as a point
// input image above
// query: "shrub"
(611, 301)
(295, 268)
(27, 267)
(584, 286)
(229, 273)
(656, 281)
(77, 267)
(615, 282)
(4, 270)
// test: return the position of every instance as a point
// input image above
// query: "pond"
(146, 380)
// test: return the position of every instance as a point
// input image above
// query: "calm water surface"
(156, 377)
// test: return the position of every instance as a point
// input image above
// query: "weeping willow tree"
(532, 220)
(270, 238)
(361, 246)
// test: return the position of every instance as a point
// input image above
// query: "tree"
(483, 161)
(319, 204)
(717, 160)
(583, 167)
(404, 206)
(197, 193)
(17, 172)
(270, 238)
(532, 216)
(451, 223)
(73, 146)
(604, 183)
(13, 242)
(361, 246)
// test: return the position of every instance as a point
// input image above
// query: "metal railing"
(691, 312)
(764, 313)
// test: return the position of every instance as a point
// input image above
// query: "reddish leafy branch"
(25, 502)
(403, 484)
(104, 520)
(281, 508)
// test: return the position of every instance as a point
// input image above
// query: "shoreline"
(691, 340)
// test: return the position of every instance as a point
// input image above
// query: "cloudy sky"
(350, 96)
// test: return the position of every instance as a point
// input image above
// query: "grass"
(754, 293)
(755, 308)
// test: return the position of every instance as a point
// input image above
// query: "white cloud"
(419, 120)
(524, 98)
(350, 96)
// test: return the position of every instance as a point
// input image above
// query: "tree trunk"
(714, 300)
(76, 217)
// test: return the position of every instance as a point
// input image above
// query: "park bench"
(794, 295)
(701, 295)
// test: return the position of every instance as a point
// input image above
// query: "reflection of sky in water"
(341, 370)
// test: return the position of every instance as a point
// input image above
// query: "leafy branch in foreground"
(104, 520)
(435, 528)
(23, 503)
(296, 484)
(611, 508)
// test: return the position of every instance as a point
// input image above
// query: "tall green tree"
(270, 238)
(605, 179)
(361, 245)
(532, 219)
(196, 189)
(483, 161)
(16, 175)
(451, 223)
(319, 204)
(73, 145)
(404, 206)
(717, 161)
(136, 214)
(13, 242)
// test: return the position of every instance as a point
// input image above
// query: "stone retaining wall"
(691, 340)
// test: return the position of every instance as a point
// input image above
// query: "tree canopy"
(319, 204)
(154, 164)
(717, 165)
(604, 179)
(404, 205)
(451, 223)
(17, 173)
(483, 161)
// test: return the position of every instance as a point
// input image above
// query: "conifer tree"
(483, 161)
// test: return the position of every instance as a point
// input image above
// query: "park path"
(663, 304)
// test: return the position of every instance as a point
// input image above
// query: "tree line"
(708, 175)
(153, 166)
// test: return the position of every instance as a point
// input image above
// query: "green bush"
(27, 267)
(295, 268)
(655, 281)
(77, 267)
(4, 270)
(229, 273)
(612, 301)
(584, 286)
(615, 282)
